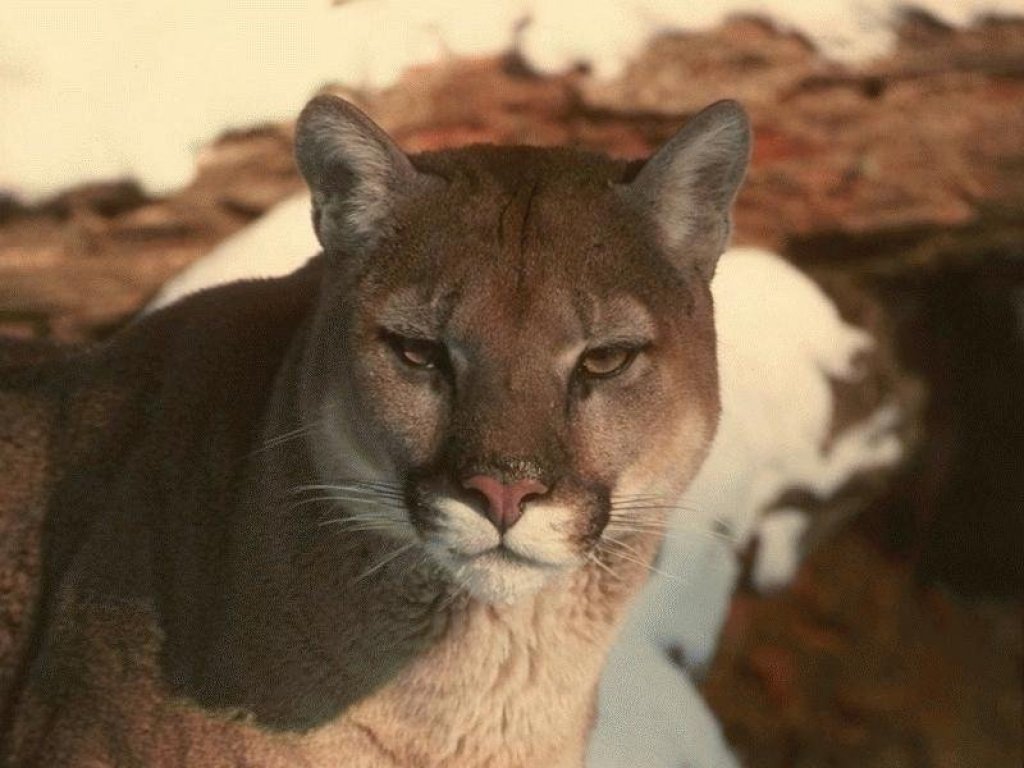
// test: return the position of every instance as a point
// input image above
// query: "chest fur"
(505, 687)
(502, 688)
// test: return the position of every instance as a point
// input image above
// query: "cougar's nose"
(504, 502)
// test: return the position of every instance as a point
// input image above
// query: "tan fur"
(172, 592)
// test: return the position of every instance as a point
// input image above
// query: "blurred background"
(888, 166)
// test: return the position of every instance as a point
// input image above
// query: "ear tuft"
(354, 171)
(688, 185)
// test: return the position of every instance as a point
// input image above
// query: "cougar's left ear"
(689, 184)
(355, 172)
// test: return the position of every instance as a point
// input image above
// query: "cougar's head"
(514, 346)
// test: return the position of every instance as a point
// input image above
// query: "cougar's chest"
(508, 686)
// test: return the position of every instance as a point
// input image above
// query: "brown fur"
(165, 600)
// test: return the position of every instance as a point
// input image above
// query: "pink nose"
(504, 502)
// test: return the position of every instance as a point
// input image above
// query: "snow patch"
(117, 89)
(651, 714)
(778, 554)
(279, 242)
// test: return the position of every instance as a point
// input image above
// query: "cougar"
(388, 510)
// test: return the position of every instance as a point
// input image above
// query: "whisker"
(670, 531)
(637, 529)
(383, 484)
(379, 490)
(624, 545)
(366, 528)
(353, 481)
(644, 507)
(461, 587)
(626, 556)
(383, 502)
(368, 515)
(666, 532)
(276, 442)
(384, 561)
(338, 500)
(641, 524)
(339, 497)
(372, 518)
(350, 488)
(286, 437)
(348, 522)
(391, 533)
(658, 522)
(602, 565)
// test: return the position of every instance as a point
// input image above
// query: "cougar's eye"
(418, 353)
(605, 362)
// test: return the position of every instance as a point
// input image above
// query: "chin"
(498, 579)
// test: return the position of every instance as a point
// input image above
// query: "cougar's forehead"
(528, 240)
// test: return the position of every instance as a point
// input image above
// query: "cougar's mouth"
(496, 575)
(490, 564)
(501, 554)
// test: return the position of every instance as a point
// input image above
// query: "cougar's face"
(514, 347)
(511, 374)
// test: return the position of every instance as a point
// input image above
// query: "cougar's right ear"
(355, 172)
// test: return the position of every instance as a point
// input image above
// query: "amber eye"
(605, 362)
(418, 353)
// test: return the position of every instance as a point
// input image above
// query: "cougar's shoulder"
(78, 425)
(27, 414)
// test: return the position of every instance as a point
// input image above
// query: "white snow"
(277, 243)
(650, 713)
(780, 339)
(778, 554)
(115, 89)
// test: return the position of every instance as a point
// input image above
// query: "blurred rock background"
(899, 185)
